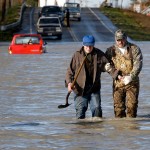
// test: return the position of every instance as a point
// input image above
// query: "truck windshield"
(49, 20)
(72, 5)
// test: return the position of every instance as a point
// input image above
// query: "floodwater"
(32, 87)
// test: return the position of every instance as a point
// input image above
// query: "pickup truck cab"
(49, 26)
(74, 10)
(48, 11)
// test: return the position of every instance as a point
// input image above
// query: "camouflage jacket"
(129, 63)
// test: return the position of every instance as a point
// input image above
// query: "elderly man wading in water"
(88, 84)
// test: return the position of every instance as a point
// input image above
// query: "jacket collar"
(82, 51)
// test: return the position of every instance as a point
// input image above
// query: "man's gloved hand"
(108, 67)
(120, 77)
(127, 79)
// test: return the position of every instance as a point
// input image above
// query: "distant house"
(120, 3)
(137, 7)
(146, 11)
(140, 7)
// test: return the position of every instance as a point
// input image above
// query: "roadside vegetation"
(13, 15)
(136, 25)
(10, 13)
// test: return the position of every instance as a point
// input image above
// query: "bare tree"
(121, 3)
(3, 10)
(9, 4)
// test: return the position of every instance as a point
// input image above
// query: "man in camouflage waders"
(127, 59)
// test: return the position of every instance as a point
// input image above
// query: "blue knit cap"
(88, 40)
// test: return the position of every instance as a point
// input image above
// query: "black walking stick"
(73, 83)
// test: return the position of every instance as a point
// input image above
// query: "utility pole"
(56, 3)
(116, 3)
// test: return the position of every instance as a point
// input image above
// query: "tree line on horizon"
(7, 4)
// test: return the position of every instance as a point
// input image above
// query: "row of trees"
(7, 4)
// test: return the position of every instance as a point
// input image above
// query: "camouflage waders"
(125, 96)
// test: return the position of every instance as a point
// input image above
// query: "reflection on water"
(32, 87)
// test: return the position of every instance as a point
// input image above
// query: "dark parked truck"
(74, 9)
(48, 11)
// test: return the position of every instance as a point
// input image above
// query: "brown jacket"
(99, 61)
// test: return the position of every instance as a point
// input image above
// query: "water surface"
(31, 88)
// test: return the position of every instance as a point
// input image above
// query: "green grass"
(136, 25)
(12, 16)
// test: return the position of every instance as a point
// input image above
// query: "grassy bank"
(12, 16)
(137, 26)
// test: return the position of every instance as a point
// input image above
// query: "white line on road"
(31, 14)
(100, 20)
(73, 35)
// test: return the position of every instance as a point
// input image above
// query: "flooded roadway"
(32, 87)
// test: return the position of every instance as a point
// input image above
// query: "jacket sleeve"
(70, 71)
(137, 61)
(111, 70)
